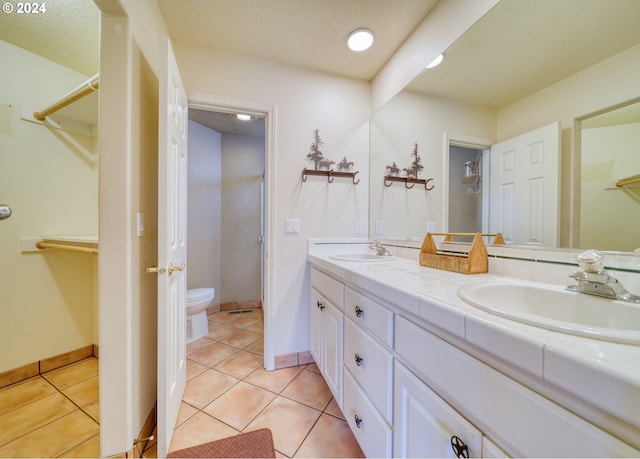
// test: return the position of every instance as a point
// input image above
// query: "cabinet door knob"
(358, 421)
(358, 359)
(359, 311)
(460, 449)
(320, 305)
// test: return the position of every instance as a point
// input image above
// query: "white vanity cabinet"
(408, 391)
(426, 426)
(327, 322)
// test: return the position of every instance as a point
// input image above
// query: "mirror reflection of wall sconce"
(411, 173)
(472, 176)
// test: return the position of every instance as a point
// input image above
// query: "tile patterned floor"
(228, 392)
(52, 415)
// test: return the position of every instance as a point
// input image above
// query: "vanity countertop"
(605, 374)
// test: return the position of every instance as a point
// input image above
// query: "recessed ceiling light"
(360, 39)
(243, 117)
(436, 62)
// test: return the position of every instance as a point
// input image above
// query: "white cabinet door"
(333, 333)
(426, 426)
(327, 342)
(316, 330)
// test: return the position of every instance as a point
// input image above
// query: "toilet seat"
(196, 295)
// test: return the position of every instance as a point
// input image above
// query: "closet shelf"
(82, 244)
(634, 179)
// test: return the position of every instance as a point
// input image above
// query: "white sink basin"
(556, 309)
(361, 257)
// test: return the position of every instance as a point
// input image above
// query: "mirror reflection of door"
(524, 187)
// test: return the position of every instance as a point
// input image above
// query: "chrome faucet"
(593, 279)
(380, 249)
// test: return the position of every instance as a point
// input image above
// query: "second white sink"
(554, 308)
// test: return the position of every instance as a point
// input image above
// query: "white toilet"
(198, 299)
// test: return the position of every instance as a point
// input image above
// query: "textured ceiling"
(520, 47)
(306, 33)
(66, 33)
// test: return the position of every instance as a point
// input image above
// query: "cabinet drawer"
(332, 289)
(371, 365)
(499, 404)
(371, 431)
(370, 315)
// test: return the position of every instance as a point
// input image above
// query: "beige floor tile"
(21, 393)
(333, 409)
(89, 448)
(198, 345)
(206, 387)
(194, 369)
(239, 405)
(309, 388)
(222, 317)
(289, 421)
(93, 410)
(186, 411)
(257, 347)
(275, 380)
(218, 331)
(241, 338)
(53, 439)
(84, 392)
(330, 437)
(200, 428)
(312, 367)
(29, 417)
(73, 374)
(256, 327)
(244, 320)
(240, 364)
(213, 354)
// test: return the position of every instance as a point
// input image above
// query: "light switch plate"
(291, 225)
(379, 227)
(359, 227)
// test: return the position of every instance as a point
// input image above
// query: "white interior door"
(523, 195)
(172, 247)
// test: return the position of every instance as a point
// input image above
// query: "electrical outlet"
(379, 227)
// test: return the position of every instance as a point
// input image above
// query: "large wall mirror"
(524, 65)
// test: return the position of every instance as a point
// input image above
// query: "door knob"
(155, 269)
(173, 269)
(5, 211)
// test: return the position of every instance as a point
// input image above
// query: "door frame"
(215, 103)
(477, 143)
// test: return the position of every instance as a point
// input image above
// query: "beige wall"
(305, 100)
(48, 302)
(242, 169)
(417, 118)
(204, 208)
(604, 85)
(610, 216)
(128, 186)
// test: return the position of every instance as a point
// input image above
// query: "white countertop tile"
(605, 374)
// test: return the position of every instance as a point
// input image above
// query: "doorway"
(226, 206)
(466, 167)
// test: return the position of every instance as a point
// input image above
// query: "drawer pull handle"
(320, 305)
(460, 449)
(358, 359)
(359, 311)
(358, 421)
